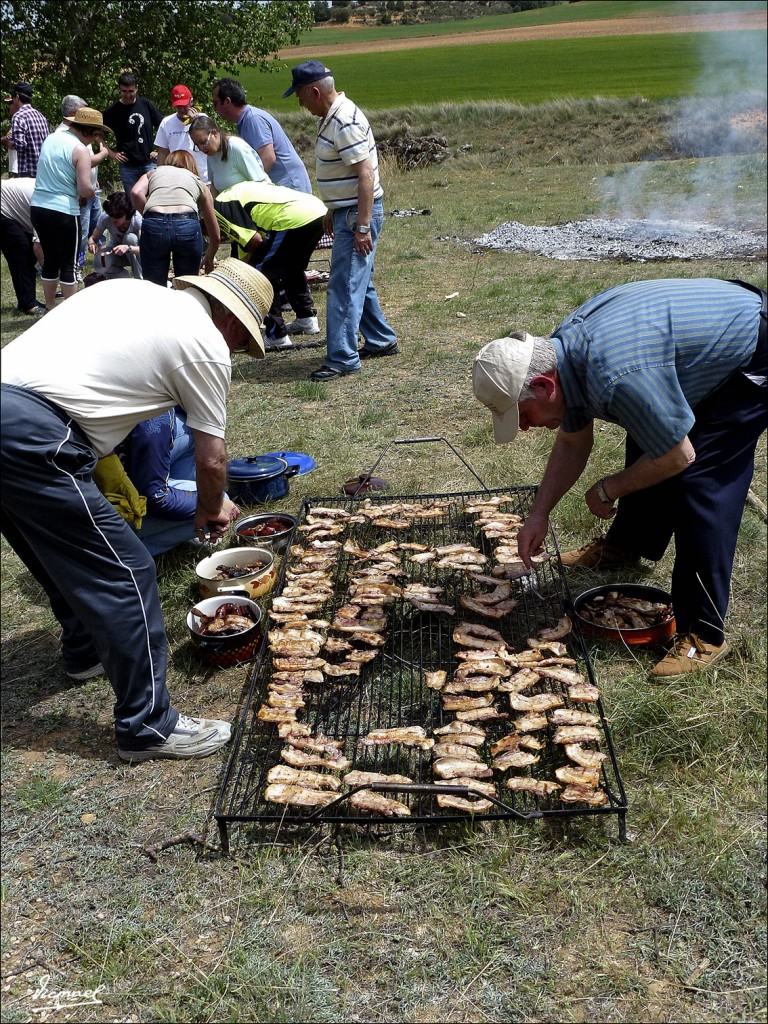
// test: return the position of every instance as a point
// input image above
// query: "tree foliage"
(77, 46)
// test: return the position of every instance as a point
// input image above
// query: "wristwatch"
(601, 492)
(364, 229)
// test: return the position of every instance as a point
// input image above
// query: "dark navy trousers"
(98, 576)
(703, 506)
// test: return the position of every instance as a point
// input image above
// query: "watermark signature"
(64, 998)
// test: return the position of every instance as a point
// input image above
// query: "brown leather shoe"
(688, 654)
(599, 553)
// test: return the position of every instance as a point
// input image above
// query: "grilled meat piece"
(335, 645)
(488, 504)
(535, 702)
(482, 667)
(471, 684)
(526, 784)
(363, 656)
(583, 693)
(554, 647)
(297, 664)
(406, 736)
(471, 634)
(453, 767)
(276, 699)
(377, 803)
(266, 714)
(311, 675)
(295, 729)
(435, 680)
(469, 735)
(563, 628)
(500, 593)
(459, 702)
(392, 524)
(520, 681)
(461, 560)
(495, 611)
(480, 654)
(358, 778)
(459, 803)
(300, 796)
(302, 759)
(447, 749)
(408, 546)
(294, 777)
(570, 716)
(514, 759)
(583, 756)
(487, 788)
(432, 607)
(480, 715)
(346, 668)
(577, 776)
(584, 795)
(457, 549)
(576, 734)
(562, 675)
(511, 741)
(423, 557)
(367, 637)
(531, 722)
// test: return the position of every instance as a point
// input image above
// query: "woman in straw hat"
(62, 186)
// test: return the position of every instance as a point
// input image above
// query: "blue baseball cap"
(304, 74)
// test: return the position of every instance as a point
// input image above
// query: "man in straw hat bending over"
(66, 403)
(681, 366)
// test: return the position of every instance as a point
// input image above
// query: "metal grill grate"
(391, 691)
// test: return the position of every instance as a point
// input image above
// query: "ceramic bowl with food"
(272, 530)
(243, 572)
(627, 613)
(220, 631)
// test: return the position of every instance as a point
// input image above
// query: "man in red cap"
(173, 132)
(29, 130)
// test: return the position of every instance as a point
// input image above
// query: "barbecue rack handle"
(429, 440)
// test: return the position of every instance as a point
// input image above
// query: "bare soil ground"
(721, 22)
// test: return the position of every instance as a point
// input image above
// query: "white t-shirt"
(173, 134)
(158, 348)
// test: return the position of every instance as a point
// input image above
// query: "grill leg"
(223, 837)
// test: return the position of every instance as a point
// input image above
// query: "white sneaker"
(273, 344)
(304, 325)
(192, 738)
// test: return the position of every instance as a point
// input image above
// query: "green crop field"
(590, 10)
(653, 66)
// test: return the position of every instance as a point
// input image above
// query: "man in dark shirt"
(134, 120)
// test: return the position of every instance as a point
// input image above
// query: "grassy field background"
(111, 875)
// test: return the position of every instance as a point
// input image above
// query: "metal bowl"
(276, 541)
(253, 585)
(225, 650)
(637, 637)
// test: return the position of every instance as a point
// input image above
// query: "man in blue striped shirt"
(681, 366)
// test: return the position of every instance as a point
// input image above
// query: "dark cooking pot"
(257, 479)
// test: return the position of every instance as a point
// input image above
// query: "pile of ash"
(625, 240)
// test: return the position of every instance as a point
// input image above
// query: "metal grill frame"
(256, 745)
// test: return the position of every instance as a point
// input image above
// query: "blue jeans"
(89, 215)
(166, 235)
(352, 304)
(130, 174)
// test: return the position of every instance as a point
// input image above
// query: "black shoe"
(37, 310)
(331, 373)
(375, 353)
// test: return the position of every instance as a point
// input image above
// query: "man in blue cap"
(347, 171)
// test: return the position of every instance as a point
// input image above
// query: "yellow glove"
(114, 483)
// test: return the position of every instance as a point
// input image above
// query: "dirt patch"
(722, 22)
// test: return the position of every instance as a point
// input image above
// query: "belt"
(156, 213)
(757, 367)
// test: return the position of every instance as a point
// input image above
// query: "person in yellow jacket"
(276, 229)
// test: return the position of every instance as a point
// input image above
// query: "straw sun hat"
(87, 117)
(243, 290)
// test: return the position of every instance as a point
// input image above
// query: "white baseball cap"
(498, 375)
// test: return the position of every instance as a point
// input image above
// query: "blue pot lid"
(256, 467)
(305, 462)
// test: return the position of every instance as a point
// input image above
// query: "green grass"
(496, 922)
(654, 66)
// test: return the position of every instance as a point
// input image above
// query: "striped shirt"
(645, 354)
(344, 138)
(29, 130)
